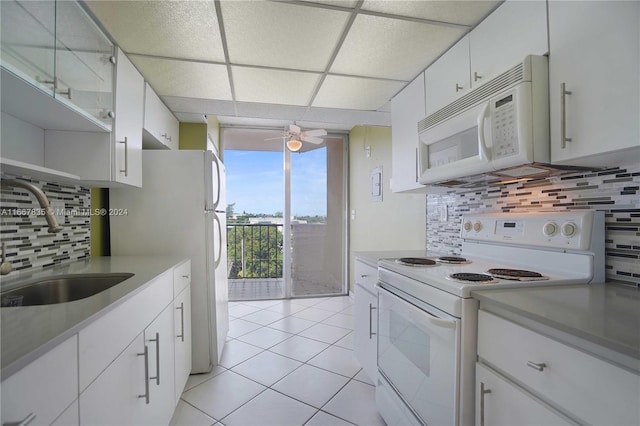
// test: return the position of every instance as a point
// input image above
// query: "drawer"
(101, 341)
(44, 388)
(592, 390)
(181, 277)
(365, 274)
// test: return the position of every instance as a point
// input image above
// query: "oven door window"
(417, 352)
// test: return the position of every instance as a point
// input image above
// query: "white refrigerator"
(180, 210)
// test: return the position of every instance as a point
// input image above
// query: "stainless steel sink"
(60, 289)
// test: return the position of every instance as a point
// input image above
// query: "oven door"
(418, 354)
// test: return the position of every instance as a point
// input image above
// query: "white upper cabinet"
(448, 78)
(106, 159)
(161, 128)
(514, 30)
(407, 108)
(57, 66)
(594, 82)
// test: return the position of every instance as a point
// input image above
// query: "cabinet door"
(499, 402)
(128, 123)
(158, 337)
(513, 31)
(594, 55)
(43, 389)
(407, 108)
(448, 78)
(365, 329)
(118, 395)
(84, 63)
(182, 339)
(160, 126)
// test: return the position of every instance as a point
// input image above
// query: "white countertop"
(30, 331)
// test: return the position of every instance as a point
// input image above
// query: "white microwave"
(500, 127)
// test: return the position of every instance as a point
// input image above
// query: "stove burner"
(452, 259)
(472, 277)
(416, 261)
(517, 274)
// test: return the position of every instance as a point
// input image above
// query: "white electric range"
(427, 319)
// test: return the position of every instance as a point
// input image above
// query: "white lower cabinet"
(499, 402)
(365, 343)
(182, 340)
(44, 389)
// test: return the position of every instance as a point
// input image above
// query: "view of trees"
(255, 251)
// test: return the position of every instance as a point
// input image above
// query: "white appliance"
(180, 210)
(427, 319)
(501, 126)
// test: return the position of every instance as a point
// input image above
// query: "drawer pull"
(371, 309)
(181, 309)
(540, 366)
(145, 354)
(483, 392)
(364, 276)
(157, 341)
(185, 276)
(23, 422)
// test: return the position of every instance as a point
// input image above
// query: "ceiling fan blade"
(316, 132)
(279, 137)
(294, 129)
(312, 139)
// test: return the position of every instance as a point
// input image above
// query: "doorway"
(286, 232)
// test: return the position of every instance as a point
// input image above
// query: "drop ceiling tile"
(355, 93)
(281, 35)
(246, 121)
(273, 86)
(342, 3)
(183, 78)
(458, 12)
(392, 48)
(178, 29)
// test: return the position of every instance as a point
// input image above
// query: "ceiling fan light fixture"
(294, 145)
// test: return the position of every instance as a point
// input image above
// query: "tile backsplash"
(28, 243)
(613, 190)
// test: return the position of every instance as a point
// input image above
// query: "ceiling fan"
(295, 136)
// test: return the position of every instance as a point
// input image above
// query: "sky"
(255, 182)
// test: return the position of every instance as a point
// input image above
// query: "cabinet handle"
(476, 77)
(563, 119)
(145, 354)
(540, 366)
(24, 422)
(126, 157)
(111, 114)
(458, 88)
(112, 59)
(166, 136)
(157, 377)
(181, 309)
(483, 392)
(66, 93)
(185, 276)
(53, 82)
(364, 276)
(371, 309)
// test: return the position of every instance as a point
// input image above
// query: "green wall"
(193, 136)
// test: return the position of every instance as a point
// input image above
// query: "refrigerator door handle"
(218, 254)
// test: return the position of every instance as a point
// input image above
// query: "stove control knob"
(467, 226)
(569, 229)
(550, 229)
(477, 226)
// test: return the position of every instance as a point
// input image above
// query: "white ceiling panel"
(355, 93)
(177, 29)
(184, 78)
(466, 12)
(273, 86)
(250, 121)
(392, 48)
(280, 34)
(342, 3)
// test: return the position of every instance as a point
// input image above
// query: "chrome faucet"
(42, 200)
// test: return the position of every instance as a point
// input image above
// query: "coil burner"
(456, 260)
(517, 274)
(416, 261)
(472, 277)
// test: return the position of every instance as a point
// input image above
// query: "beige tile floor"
(286, 362)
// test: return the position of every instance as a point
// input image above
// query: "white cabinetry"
(595, 57)
(44, 389)
(161, 128)
(106, 159)
(407, 108)
(513, 31)
(550, 377)
(365, 343)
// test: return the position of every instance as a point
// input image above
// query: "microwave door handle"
(482, 143)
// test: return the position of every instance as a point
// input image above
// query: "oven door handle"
(418, 315)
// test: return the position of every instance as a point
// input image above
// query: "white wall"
(398, 222)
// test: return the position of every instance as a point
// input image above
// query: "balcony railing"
(254, 251)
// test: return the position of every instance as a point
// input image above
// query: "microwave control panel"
(505, 125)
